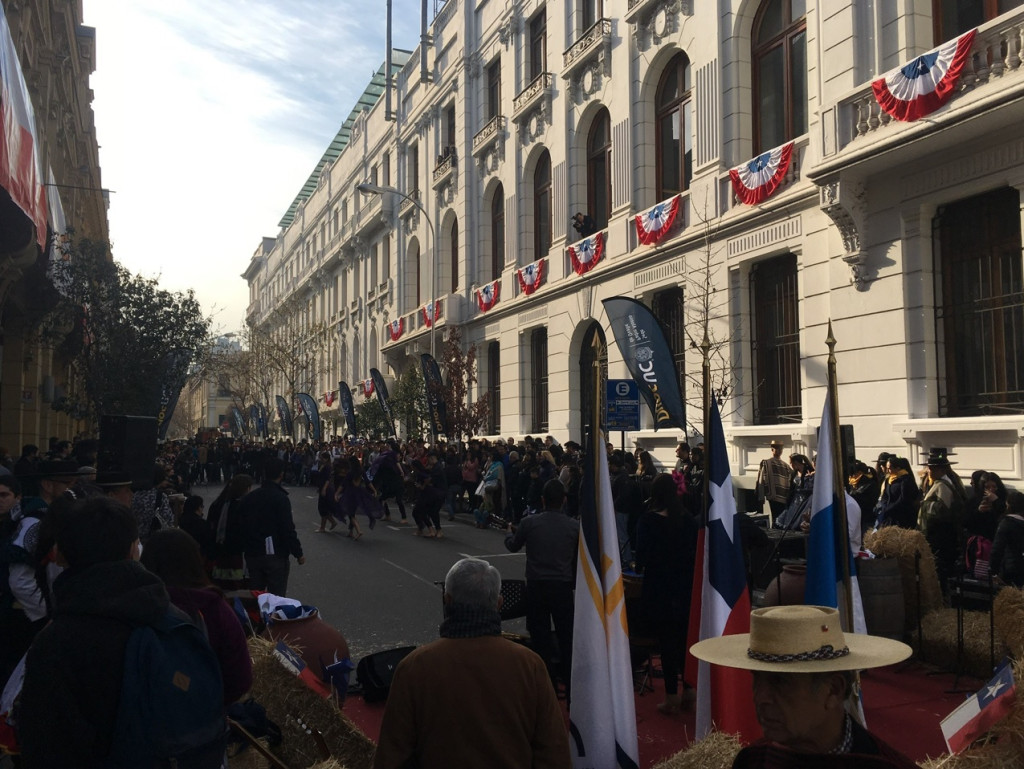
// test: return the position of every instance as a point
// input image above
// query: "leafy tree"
(465, 418)
(123, 337)
(370, 419)
(409, 403)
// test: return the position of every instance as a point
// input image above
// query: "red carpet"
(903, 705)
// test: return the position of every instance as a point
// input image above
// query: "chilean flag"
(721, 602)
(755, 181)
(587, 253)
(925, 84)
(19, 156)
(368, 387)
(395, 328)
(531, 276)
(654, 223)
(430, 310)
(487, 296)
(981, 711)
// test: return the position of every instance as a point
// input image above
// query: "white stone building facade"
(906, 235)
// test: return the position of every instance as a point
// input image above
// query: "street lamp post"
(373, 189)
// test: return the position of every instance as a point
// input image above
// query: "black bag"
(375, 671)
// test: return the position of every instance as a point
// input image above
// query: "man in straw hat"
(941, 517)
(803, 668)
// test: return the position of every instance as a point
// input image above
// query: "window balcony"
(489, 136)
(536, 95)
(637, 8)
(444, 171)
(408, 205)
(592, 45)
(858, 131)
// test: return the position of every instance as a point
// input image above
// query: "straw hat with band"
(799, 639)
(938, 457)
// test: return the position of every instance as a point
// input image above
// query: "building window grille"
(776, 341)
(539, 369)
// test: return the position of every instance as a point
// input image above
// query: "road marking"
(412, 574)
(492, 555)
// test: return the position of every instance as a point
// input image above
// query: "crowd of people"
(974, 529)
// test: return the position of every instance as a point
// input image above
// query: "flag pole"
(705, 348)
(595, 416)
(838, 481)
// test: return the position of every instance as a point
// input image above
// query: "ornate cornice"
(843, 203)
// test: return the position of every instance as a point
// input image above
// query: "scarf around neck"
(465, 621)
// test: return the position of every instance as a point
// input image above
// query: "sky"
(211, 114)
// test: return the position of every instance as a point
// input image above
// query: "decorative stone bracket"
(843, 203)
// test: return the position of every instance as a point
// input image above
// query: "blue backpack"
(171, 712)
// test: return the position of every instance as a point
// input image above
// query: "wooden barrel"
(881, 591)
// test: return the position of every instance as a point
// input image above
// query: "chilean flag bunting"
(925, 84)
(654, 223)
(396, 328)
(531, 276)
(329, 398)
(368, 387)
(487, 296)
(755, 181)
(431, 311)
(587, 253)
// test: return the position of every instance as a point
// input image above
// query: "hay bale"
(716, 751)
(903, 544)
(288, 701)
(940, 642)
(1009, 617)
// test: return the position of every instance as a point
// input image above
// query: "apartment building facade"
(511, 117)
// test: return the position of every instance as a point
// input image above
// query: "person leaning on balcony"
(583, 225)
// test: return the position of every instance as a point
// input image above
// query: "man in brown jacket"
(472, 698)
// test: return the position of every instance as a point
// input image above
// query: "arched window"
(599, 170)
(454, 235)
(779, 42)
(497, 233)
(674, 129)
(542, 206)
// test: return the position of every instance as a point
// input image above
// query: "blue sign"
(622, 405)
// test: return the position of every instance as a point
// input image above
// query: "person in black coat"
(269, 532)
(1007, 561)
(898, 503)
(667, 552)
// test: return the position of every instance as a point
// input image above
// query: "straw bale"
(716, 751)
(1009, 617)
(940, 641)
(902, 544)
(288, 701)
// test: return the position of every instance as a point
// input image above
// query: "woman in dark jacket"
(174, 557)
(1007, 560)
(666, 552)
(229, 533)
(898, 504)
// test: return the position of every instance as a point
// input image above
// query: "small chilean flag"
(981, 711)
(531, 276)
(395, 328)
(587, 253)
(487, 296)
(654, 223)
(430, 313)
(755, 181)
(925, 84)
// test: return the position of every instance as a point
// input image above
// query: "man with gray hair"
(472, 698)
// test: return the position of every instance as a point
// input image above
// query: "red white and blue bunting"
(487, 295)
(922, 86)
(587, 253)
(755, 181)
(368, 387)
(396, 328)
(653, 224)
(430, 314)
(531, 276)
(329, 398)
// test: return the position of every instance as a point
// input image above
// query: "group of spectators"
(975, 529)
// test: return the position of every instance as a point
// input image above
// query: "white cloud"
(211, 115)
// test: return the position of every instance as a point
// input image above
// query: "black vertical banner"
(382, 397)
(649, 359)
(435, 395)
(284, 413)
(239, 422)
(312, 412)
(347, 408)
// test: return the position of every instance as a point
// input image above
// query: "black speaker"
(128, 445)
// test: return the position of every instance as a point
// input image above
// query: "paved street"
(378, 591)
